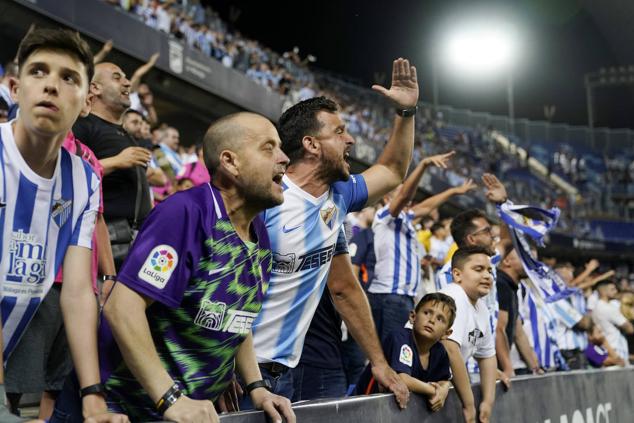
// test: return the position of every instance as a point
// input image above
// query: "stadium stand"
(205, 71)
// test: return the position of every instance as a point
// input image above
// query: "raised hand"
(592, 265)
(467, 186)
(404, 89)
(439, 160)
(495, 191)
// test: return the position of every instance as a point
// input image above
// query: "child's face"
(431, 321)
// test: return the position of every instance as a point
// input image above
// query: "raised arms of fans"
(391, 166)
(591, 282)
(101, 54)
(406, 194)
(135, 81)
(496, 193)
(590, 267)
(429, 204)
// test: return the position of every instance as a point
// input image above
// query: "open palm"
(404, 89)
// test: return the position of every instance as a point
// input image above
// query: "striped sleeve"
(82, 235)
(566, 313)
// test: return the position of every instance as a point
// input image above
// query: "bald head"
(110, 88)
(230, 133)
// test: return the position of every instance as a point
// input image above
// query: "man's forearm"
(524, 348)
(125, 311)
(104, 249)
(503, 351)
(246, 361)
(397, 153)
(488, 370)
(460, 379)
(408, 190)
(426, 206)
(109, 164)
(352, 304)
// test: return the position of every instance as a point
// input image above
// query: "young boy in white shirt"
(471, 337)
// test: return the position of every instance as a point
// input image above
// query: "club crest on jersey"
(61, 210)
(328, 214)
(159, 266)
(406, 356)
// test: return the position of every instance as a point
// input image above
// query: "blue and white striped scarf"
(550, 284)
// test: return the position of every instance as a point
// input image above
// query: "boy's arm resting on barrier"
(79, 309)
(418, 386)
(460, 380)
(272, 404)
(125, 311)
(437, 401)
(488, 371)
(352, 303)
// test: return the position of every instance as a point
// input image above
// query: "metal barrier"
(592, 396)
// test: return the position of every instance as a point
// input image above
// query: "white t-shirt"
(471, 327)
(609, 318)
(439, 247)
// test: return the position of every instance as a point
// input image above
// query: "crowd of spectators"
(144, 163)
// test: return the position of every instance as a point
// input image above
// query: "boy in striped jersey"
(49, 201)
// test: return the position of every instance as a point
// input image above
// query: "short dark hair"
(462, 254)
(57, 39)
(436, 226)
(462, 225)
(301, 120)
(444, 299)
(605, 283)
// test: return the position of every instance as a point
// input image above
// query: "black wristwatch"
(407, 112)
(169, 398)
(259, 384)
(97, 388)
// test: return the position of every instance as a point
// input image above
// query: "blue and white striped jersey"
(539, 324)
(569, 312)
(39, 219)
(303, 233)
(398, 254)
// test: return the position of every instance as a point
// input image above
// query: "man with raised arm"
(319, 191)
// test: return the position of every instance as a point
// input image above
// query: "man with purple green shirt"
(193, 283)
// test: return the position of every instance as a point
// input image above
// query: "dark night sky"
(560, 42)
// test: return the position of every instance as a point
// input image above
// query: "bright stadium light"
(480, 51)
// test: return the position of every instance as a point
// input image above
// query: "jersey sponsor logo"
(212, 314)
(316, 258)
(406, 356)
(287, 230)
(283, 263)
(27, 261)
(61, 211)
(159, 266)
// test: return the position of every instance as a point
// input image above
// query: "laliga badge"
(159, 265)
(407, 356)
